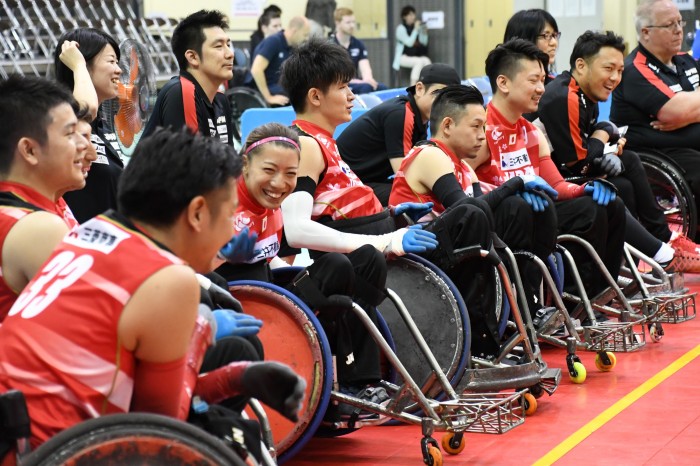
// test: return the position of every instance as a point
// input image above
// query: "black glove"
(610, 164)
(610, 128)
(276, 385)
(215, 296)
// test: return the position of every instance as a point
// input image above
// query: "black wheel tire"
(673, 193)
(241, 99)
(130, 439)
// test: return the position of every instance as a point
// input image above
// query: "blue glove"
(537, 201)
(235, 324)
(417, 240)
(240, 248)
(414, 210)
(536, 183)
(602, 192)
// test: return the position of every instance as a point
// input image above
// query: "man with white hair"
(656, 98)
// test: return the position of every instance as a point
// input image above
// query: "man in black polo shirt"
(568, 111)
(364, 81)
(205, 56)
(656, 97)
(374, 144)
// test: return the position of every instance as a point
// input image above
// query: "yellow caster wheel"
(580, 371)
(447, 445)
(600, 364)
(529, 404)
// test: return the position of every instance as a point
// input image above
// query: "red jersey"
(267, 223)
(339, 194)
(17, 201)
(515, 150)
(402, 192)
(64, 354)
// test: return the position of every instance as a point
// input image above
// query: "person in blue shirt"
(364, 81)
(269, 56)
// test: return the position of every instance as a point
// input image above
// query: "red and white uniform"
(59, 340)
(17, 201)
(267, 223)
(515, 150)
(340, 194)
(402, 192)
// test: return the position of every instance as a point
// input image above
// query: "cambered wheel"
(136, 438)
(672, 192)
(447, 444)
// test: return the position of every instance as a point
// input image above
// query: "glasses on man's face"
(547, 36)
(670, 26)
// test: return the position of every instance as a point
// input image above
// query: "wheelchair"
(117, 439)
(241, 98)
(672, 192)
(432, 380)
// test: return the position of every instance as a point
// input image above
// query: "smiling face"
(104, 71)
(601, 74)
(270, 173)
(59, 162)
(90, 153)
(214, 228)
(524, 91)
(216, 61)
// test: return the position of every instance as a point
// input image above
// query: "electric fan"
(127, 114)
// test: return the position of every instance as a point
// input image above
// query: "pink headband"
(272, 139)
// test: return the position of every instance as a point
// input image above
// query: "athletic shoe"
(376, 395)
(684, 261)
(684, 243)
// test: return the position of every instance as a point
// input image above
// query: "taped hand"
(610, 164)
(414, 210)
(241, 248)
(603, 192)
(276, 385)
(536, 183)
(235, 324)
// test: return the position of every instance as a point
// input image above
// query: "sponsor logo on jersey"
(97, 235)
(516, 159)
(241, 221)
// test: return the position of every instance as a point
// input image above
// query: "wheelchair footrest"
(675, 309)
(621, 337)
(489, 413)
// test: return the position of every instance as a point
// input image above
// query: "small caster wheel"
(451, 444)
(654, 334)
(434, 456)
(579, 373)
(529, 404)
(602, 366)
